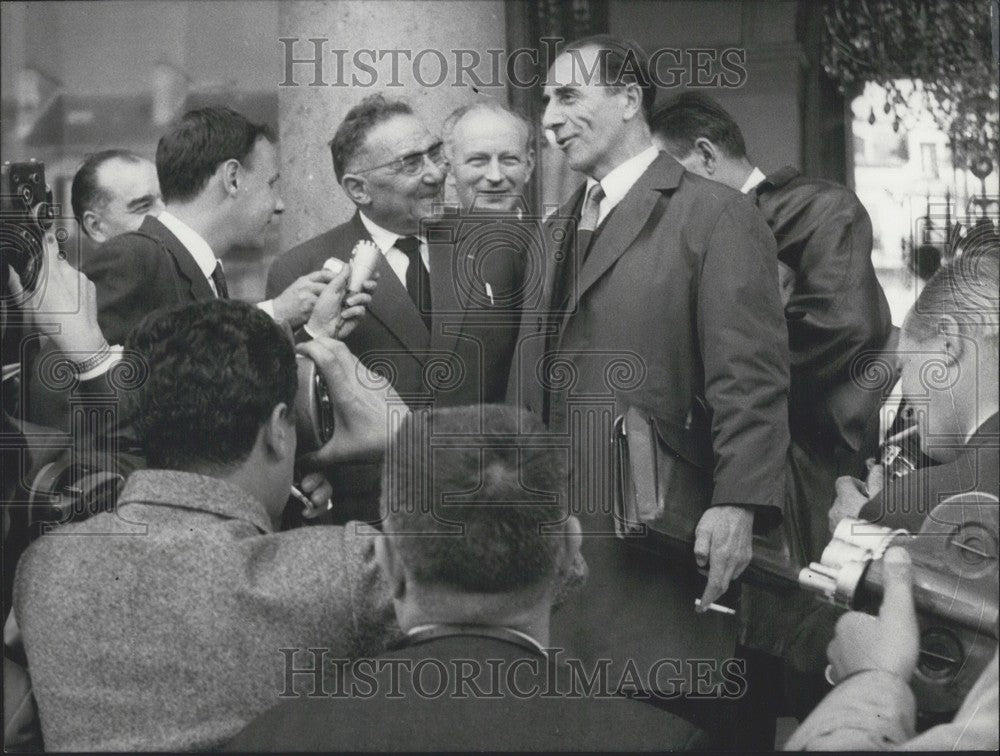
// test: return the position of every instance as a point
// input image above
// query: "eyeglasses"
(413, 163)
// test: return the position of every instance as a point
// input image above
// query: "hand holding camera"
(887, 643)
(351, 420)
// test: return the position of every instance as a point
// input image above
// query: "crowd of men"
(487, 602)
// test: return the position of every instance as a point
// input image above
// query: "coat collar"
(184, 261)
(202, 493)
(624, 224)
(391, 304)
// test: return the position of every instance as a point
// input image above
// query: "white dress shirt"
(620, 180)
(386, 240)
(755, 177)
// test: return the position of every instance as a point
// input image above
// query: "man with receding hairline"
(491, 152)
(112, 192)
(679, 275)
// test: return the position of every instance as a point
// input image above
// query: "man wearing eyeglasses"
(423, 334)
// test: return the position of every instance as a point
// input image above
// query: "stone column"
(358, 43)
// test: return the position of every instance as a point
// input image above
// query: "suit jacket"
(465, 357)
(139, 272)
(676, 311)
(160, 626)
(836, 309)
(498, 708)
(839, 326)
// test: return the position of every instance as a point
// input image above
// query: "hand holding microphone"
(344, 301)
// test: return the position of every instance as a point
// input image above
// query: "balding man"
(112, 192)
(491, 152)
(431, 292)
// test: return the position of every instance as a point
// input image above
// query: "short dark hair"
(692, 115)
(86, 194)
(358, 124)
(213, 373)
(188, 154)
(622, 61)
(469, 512)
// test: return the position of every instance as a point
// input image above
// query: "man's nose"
(551, 117)
(433, 173)
(279, 206)
(493, 171)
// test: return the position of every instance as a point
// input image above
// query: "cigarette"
(306, 501)
(489, 293)
(906, 433)
(715, 607)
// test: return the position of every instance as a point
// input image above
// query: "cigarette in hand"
(715, 607)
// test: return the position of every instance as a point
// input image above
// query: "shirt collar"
(193, 242)
(418, 629)
(619, 181)
(384, 238)
(193, 491)
(755, 177)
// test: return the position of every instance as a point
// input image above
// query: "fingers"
(322, 276)
(897, 600)
(359, 298)
(876, 480)
(317, 488)
(720, 574)
(702, 545)
(847, 486)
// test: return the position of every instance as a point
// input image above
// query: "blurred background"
(895, 98)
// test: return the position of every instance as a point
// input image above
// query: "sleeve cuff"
(114, 355)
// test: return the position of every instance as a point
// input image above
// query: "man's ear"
(531, 160)
(93, 226)
(708, 154)
(388, 560)
(633, 101)
(230, 174)
(949, 340)
(356, 187)
(279, 432)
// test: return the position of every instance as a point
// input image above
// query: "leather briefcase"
(663, 485)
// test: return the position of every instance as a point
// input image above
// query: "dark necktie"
(418, 279)
(219, 279)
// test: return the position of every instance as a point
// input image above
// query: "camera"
(314, 419)
(955, 585)
(25, 215)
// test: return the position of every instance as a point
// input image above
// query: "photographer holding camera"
(179, 601)
(871, 661)
(948, 355)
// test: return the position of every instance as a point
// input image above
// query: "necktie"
(219, 279)
(418, 279)
(588, 220)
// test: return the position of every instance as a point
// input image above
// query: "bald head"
(112, 193)
(491, 155)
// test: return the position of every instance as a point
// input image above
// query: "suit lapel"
(186, 266)
(624, 225)
(447, 311)
(560, 265)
